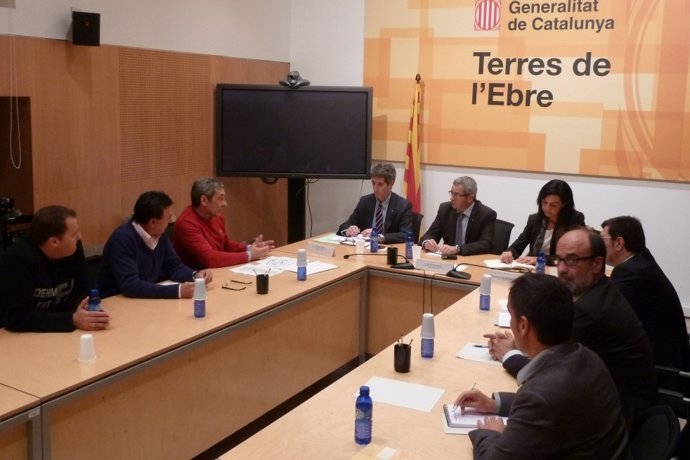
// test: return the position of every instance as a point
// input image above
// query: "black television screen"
(309, 132)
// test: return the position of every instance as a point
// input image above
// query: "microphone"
(407, 265)
(453, 273)
(347, 256)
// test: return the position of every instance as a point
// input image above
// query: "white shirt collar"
(150, 241)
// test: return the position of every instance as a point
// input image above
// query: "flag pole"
(411, 185)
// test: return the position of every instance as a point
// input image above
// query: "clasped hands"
(354, 230)
(507, 258)
(433, 246)
(499, 343)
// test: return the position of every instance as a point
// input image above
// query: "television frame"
(221, 88)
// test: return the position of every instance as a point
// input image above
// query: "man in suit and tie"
(464, 223)
(384, 210)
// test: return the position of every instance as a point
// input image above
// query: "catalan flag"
(411, 186)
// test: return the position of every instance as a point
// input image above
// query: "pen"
(476, 345)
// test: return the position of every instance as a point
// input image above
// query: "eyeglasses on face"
(456, 194)
(572, 261)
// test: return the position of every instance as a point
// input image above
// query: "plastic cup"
(87, 351)
(359, 246)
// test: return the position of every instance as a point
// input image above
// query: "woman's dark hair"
(565, 193)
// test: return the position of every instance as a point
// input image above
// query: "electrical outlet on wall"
(7, 4)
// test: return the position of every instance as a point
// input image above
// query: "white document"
(313, 267)
(403, 394)
(477, 352)
(503, 319)
(496, 264)
(503, 303)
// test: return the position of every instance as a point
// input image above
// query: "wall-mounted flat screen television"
(309, 132)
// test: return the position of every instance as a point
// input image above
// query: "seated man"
(603, 322)
(199, 237)
(390, 213)
(464, 223)
(139, 254)
(567, 405)
(650, 293)
(44, 278)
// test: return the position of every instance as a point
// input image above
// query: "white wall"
(323, 39)
(257, 29)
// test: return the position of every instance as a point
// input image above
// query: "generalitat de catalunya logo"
(487, 14)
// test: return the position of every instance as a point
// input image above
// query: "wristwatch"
(457, 248)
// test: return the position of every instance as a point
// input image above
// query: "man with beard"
(603, 322)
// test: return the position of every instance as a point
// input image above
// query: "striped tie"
(459, 237)
(378, 221)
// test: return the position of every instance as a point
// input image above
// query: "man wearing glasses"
(464, 223)
(603, 322)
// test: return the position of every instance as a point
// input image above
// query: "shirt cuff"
(510, 353)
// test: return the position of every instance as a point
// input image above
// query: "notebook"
(467, 420)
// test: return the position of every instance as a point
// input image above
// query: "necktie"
(378, 221)
(459, 237)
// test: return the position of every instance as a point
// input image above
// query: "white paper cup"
(428, 330)
(416, 252)
(359, 246)
(87, 351)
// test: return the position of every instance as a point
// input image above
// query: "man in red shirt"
(199, 237)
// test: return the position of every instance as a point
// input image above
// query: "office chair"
(502, 231)
(674, 392)
(14, 228)
(655, 434)
(416, 226)
(93, 268)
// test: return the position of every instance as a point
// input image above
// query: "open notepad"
(469, 419)
(496, 264)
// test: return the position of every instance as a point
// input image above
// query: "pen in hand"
(455, 406)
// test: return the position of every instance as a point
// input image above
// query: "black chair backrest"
(93, 266)
(502, 231)
(416, 226)
(674, 392)
(655, 434)
(14, 228)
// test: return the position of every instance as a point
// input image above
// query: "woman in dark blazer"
(555, 215)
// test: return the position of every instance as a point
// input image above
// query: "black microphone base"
(403, 266)
(459, 275)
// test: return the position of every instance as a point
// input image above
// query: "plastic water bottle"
(199, 298)
(301, 264)
(485, 293)
(428, 334)
(374, 240)
(364, 408)
(94, 300)
(409, 242)
(541, 263)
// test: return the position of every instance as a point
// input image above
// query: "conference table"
(167, 385)
(323, 426)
